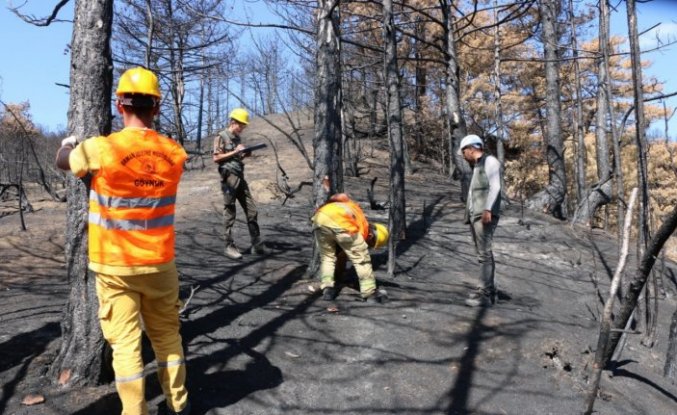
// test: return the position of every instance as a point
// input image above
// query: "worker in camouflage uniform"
(228, 154)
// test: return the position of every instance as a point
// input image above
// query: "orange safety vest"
(347, 215)
(132, 198)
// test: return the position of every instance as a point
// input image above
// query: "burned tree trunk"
(670, 370)
(577, 119)
(642, 151)
(327, 140)
(600, 194)
(457, 128)
(397, 215)
(82, 359)
(551, 199)
(640, 124)
(501, 134)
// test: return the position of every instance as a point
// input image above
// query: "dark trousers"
(483, 236)
(235, 188)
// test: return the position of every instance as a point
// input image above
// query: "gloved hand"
(70, 140)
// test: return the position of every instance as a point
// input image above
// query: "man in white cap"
(482, 211)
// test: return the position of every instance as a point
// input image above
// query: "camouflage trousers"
(235, 188)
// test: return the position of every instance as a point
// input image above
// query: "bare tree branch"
(39, 21)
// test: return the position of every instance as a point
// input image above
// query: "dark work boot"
(329, 293)
(258, 248)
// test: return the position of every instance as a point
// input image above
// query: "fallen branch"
(605, 325)
(626, 331)
(193, 290)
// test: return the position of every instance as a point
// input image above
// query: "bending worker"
(228, 154)
(340, 226)
(135, 174)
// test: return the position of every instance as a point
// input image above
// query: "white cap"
(470, 140)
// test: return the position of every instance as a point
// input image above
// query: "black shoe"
(373, 299)
(259, 249)
(329, 293)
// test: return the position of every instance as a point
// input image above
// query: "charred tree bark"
(670, 370)
(420, 78)
(501, 135)
(21, 189)
(351, 151)
(551, 199)
(640, 137)
(200, 110)
(457, 127)
(618, 173)
(601, 192)
(397, 215)
(642, 148)
(178, 84)
(578, 116)
(616, 141)
(327, 140)
(82, 360)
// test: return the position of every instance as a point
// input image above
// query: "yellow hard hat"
(381, 232)
(240, 115)
(138, 81)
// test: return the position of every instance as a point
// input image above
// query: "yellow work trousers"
(357, 251)
(123, 302)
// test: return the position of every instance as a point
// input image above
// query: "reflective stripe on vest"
(131, 202)
(131, 225)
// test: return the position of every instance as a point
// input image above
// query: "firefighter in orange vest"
(340, 228)
(135, 174)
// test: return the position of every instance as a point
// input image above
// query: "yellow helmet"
(240, 115)
(381, 236)
(138, 81)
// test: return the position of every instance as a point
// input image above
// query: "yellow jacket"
(346, 215)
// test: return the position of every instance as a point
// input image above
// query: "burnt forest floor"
(260, 340)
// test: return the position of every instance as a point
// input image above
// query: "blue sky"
(33, 61)
(663, 61)
(34, 58)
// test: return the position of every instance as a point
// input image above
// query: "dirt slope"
(261, 341)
